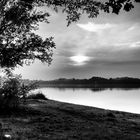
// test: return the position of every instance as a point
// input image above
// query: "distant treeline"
(95, 82)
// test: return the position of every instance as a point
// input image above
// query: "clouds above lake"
(108, 46)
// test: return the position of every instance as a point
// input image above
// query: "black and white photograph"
(69, 70)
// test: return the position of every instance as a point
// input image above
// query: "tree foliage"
(75, 8)
(20, 18)
(18, 42)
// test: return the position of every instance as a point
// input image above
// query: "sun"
(80, 59)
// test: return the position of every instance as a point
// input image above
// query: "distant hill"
(92, 82)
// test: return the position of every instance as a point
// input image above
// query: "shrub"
(111, 115)
(37, 96)
(9, 93)
(13, 90)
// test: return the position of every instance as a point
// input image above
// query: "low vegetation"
(39, 95)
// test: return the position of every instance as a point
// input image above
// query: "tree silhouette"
(19, 19)
(75, 8)
(18, 42)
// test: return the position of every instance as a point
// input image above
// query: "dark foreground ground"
(51, 120)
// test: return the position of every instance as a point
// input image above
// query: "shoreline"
(59, 103)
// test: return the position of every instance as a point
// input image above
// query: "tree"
(18, 42)
(19, 19)
(75, 8)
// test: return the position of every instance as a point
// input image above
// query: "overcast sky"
(106, 46)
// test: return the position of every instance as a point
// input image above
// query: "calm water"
(115, 99)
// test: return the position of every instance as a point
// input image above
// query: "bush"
(37, 96)
(9, 93)
(13, 90)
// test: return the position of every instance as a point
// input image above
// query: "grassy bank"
(52, 120)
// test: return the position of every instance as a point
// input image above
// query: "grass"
(52, 120)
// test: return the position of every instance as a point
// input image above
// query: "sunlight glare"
(80, 59)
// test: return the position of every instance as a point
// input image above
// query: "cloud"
(135, 44)
(92, 27)
(128, 44)
(131, 28)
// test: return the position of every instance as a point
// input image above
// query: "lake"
(127, 100)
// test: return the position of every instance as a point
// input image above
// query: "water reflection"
(92, 89)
